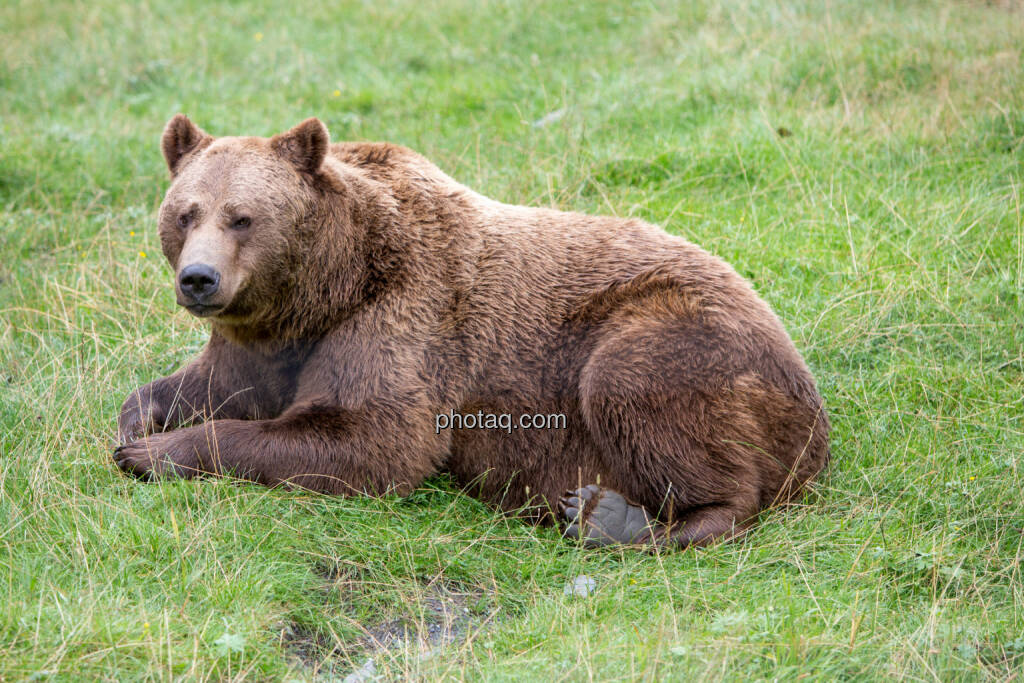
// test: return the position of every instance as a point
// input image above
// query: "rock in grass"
(581, 586)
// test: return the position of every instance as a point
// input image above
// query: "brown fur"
(372, 292)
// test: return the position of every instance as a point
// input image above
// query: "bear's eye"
(241, 223)
(184, 219)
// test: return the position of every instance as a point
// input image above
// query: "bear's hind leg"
(659, 397)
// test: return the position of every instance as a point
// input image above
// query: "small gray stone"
(581, 586)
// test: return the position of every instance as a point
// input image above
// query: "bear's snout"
(198, 282)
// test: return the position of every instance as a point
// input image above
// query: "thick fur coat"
(356, 292)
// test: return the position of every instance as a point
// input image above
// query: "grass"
(861, 162)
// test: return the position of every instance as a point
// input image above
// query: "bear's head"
(231, 223)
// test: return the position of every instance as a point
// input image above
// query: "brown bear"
(360, 300)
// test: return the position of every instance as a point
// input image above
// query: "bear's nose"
(198, 281)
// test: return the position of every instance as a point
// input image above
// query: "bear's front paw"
(158, 455)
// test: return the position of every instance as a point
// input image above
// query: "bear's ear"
(181, 137)
(305, 145)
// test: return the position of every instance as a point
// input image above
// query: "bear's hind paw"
(601, 517)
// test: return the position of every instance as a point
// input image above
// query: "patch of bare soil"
(446, 617)
(439, 614)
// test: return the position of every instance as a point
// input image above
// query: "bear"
(357, 295)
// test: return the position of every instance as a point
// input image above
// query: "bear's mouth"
(203, 310)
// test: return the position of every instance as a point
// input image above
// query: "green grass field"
(860, 162)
